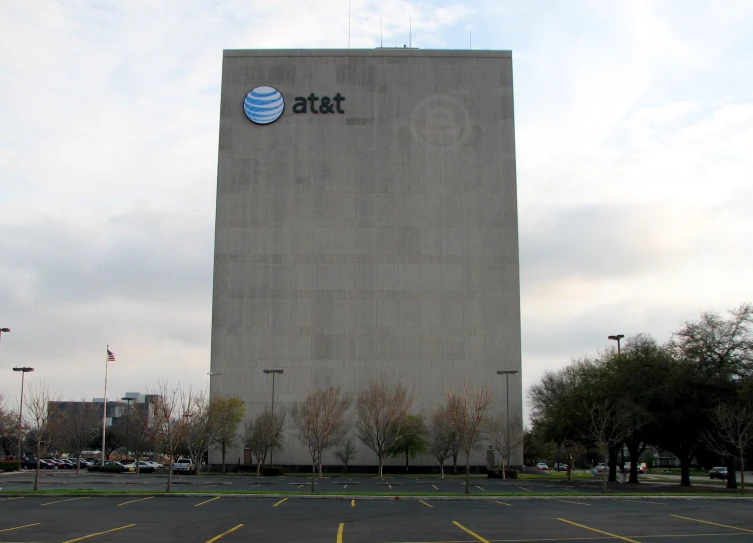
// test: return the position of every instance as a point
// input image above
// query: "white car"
(542, 466)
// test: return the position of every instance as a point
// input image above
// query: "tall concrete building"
(366, 228)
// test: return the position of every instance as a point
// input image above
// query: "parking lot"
(68, 480)
(227, 519)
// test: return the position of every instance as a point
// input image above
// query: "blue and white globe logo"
(263, 105)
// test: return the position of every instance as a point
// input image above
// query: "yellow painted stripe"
(524, 488)
(346, 486)
(352, 503)
(99, 533)
(644, 501)
(503, 503)
(7, 499)
(466, 530)
(576, 503)
(20, 527)
(426, 504)
(281, 501)
(223, 534)
(389, 486)
(299, 486)
(202, 503)
(479, 487)
(68, 500)
(598, 531)
(340, 533)
(134, 501)
(435, 487)
(714, 523)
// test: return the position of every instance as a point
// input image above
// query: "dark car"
(718, 473)
(31, 463)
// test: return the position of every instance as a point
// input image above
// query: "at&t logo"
(263, 105)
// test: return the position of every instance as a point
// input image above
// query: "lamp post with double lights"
(617, 338)
(507, 374)
(273, 372)
(23, 371)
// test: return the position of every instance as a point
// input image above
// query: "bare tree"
(346, 452)
(8, 429)
(140, 431)
(571, 449)
(731, 430)
(263, 434)
(319, 421)
(441, 437)
(379, 410)
(79, 427)
(202, 428)
(467, 411)
(171, 410)
(43, 420)
(504, 437)
(230, 412)
(610, 423)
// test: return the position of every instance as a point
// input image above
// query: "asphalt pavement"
(228, 519)
(69, 480)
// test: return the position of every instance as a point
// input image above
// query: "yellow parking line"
(524, 488)
(466, 530)
(20, 527)
(281, 501)
(426, 504)
(6, 499)
(576, 503)
(435, 487)
(389, 486)
(644, 501)
(68, 500)
(598, 531)
(346, 486)
(99, 533)
(202, 503)
(503, 503)
(134, 501)
(340, 533)
(223, 534)
(714, 523)
(299, 486)
(479, 487)
(352, 503)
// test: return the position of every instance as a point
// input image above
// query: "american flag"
(110, 356)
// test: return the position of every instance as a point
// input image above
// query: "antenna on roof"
(410, 32)
(348, 24)
(381, 36)
(470, 39)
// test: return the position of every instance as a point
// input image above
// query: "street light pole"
(6, 330)
(507, 374)
(273, 372)
(617, 338)
(23, 371)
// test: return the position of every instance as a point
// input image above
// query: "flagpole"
(104, 408)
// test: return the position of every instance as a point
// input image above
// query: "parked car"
(155, 465)
(718, 473)
(183, 465)
(143, 467)
(56, 462)
(541, 466)
(639, 468)
(601, 468)
(560, 467)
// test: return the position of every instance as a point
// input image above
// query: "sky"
(634, 133)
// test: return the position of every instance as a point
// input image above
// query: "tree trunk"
(503, 470)
(36, 475)
(223, 457)
(635, 451)
(570, 460)
(742, 470)
(685, 470)
(406, 460)
(455, 463)
(612, 465)
(78, 464)
(381, 465)
(731, 472)
(467, 472)
(441, 469)
(138, 468)
(605, 471)
(170, 474)
(258, 465)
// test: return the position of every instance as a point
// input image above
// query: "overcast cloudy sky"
(635, 166)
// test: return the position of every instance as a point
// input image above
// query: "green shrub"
(10, 465)
(272, 471)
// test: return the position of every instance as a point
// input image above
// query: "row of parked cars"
(94, 465)
(54, 463)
